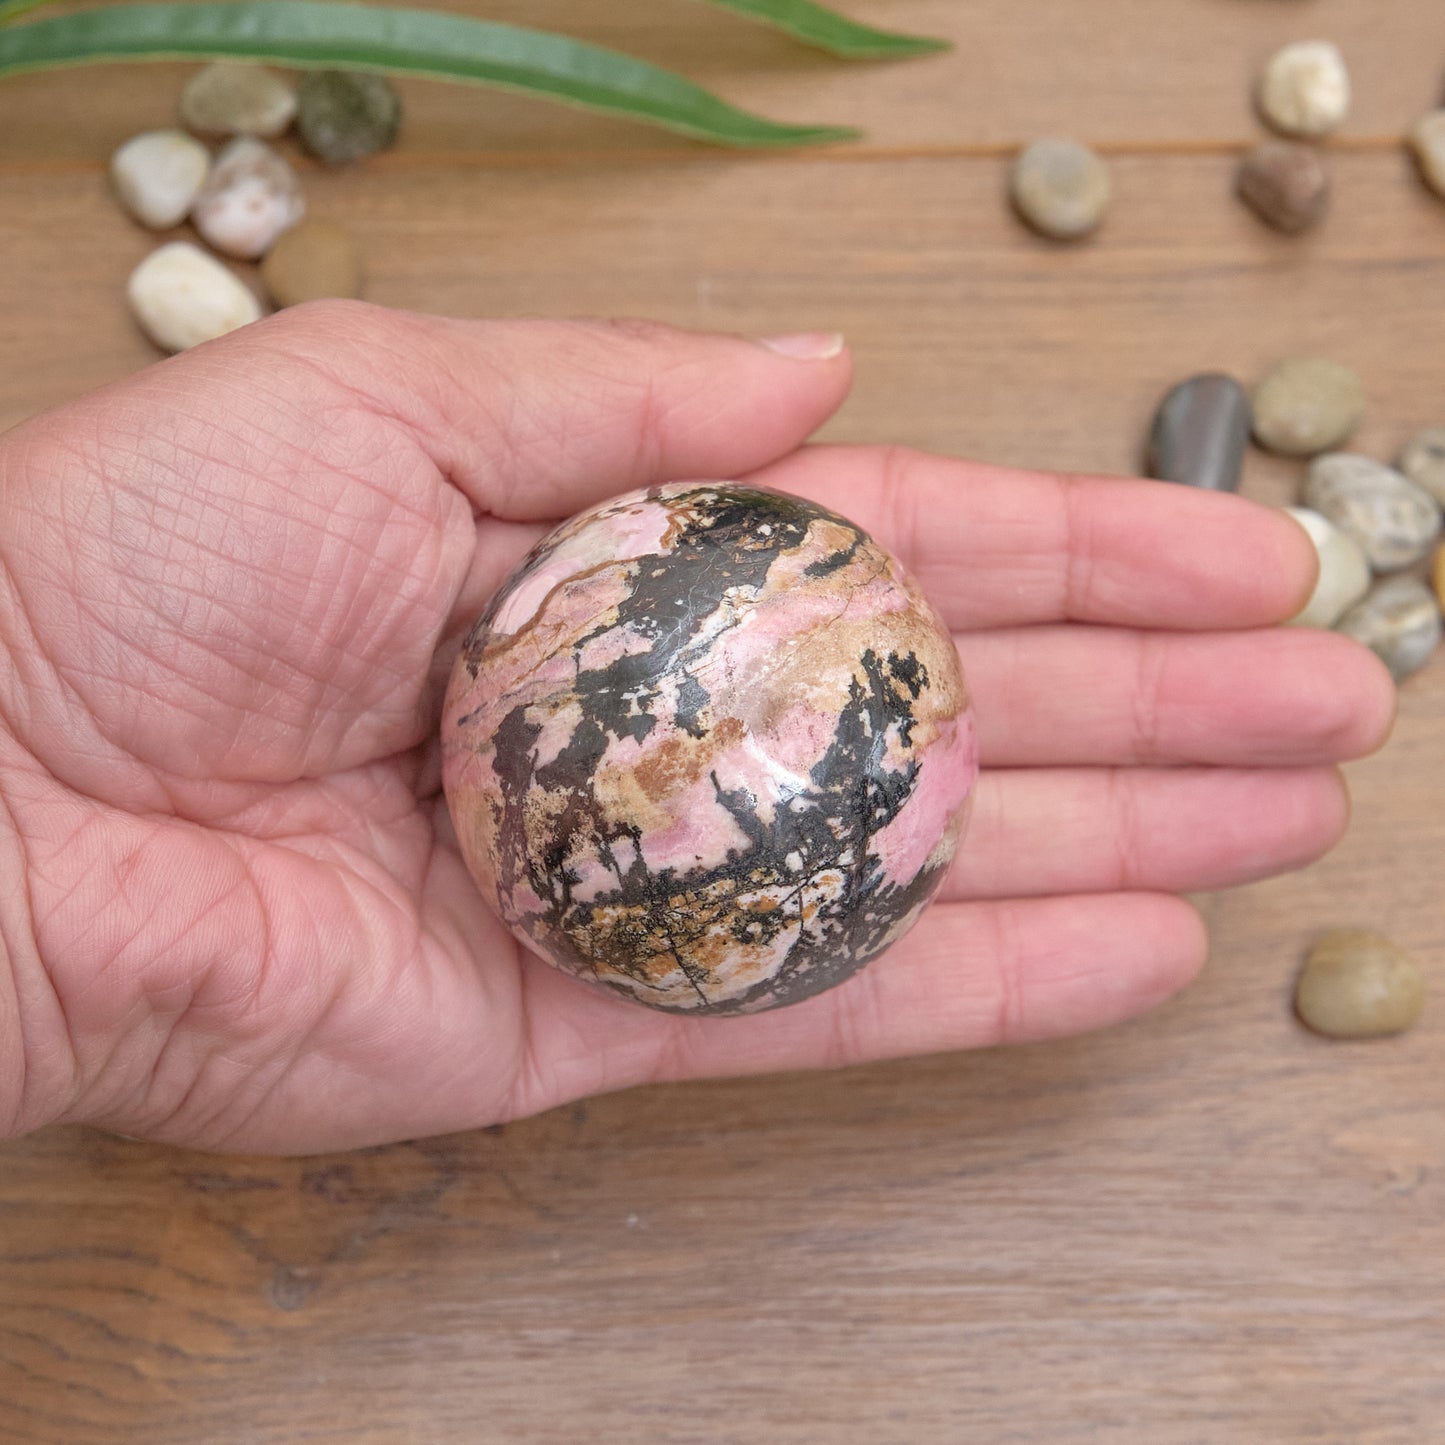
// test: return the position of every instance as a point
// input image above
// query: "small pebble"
(1399, 622)
(251, 197)
(1286, 184)
(1423, 461)
(312, 260)
(234, 98)
(1359, 985)
(1305, 89)
(1437, 576)
(1392, 519)
(1307, 404)
(1344, 573)
(158, 175)
(1060, 188)
(183, 296)
(344, 115)
(1427, 140)
(1200, 432)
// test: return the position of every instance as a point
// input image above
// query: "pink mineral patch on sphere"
(709, 747)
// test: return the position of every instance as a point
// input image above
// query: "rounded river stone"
(708, 747)
(1200, 433)
(1392, 519)
(1344, 573)
(1307, 404)
(1427, 141)
(1399, 622)
(1359, 985)
(314, 259)
(1061, 188)
(1286, 184)
(1305, 89)
(1423, 461)
(345, 115)
(235, 97)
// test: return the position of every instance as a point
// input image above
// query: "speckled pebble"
(1307, 404)
(1305, 89)
(1392, 519)
(183, 296)
(1286, 184)
(1200, 433)
(1344, 573)
(1423, 461)
(1060, 188)
(251, 197)
(312, 260)
(232, 97)
(1427, 141)
(158, 175)
(1399, 622)
(344, 115)
(1359, 985)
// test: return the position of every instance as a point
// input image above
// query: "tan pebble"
(1427, 140)
(236, 98)
(1061, 188)
(1437, 576)
(1305, 89)
(1359, 985)
(1307, 404)
(311, 261)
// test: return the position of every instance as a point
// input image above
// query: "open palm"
(231, 588)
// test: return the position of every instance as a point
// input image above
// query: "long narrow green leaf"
(817, 25)
(306, 33)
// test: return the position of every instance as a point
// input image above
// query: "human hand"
(233, 911)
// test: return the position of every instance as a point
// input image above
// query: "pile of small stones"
(1371, 524)
(245, 202)
(1062, 189)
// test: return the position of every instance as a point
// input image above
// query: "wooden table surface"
(1205, 1226)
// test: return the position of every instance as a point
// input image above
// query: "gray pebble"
(1392, 519)
(1307, 404)
(1399, 622)
(344, 115)
(1359, 985)
(1060, 188)
(1200, 432)
(1286, 184)
(1423, 461)
(1344, 573)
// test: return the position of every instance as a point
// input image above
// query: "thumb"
(534, 419)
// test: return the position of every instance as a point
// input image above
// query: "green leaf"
(306, 34)
(817, 25)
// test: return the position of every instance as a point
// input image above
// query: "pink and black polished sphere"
(709, 748)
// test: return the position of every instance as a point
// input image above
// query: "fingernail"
(806, 345)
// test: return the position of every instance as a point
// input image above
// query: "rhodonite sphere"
(708, 747)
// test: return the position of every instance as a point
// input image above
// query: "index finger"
(994, 547)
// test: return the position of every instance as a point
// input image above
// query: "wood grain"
(1206, 1226)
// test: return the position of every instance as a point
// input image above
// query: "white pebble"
(1344, 573)
(158, 175)
(182, 296)
(1305, 89)
(250, 197)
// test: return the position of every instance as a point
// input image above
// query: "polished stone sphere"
(708, 747)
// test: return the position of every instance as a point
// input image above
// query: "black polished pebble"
(1200, 433)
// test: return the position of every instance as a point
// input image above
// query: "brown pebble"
(1359, 985)
(1286, 184)
(311, 261)
(1437, 576)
